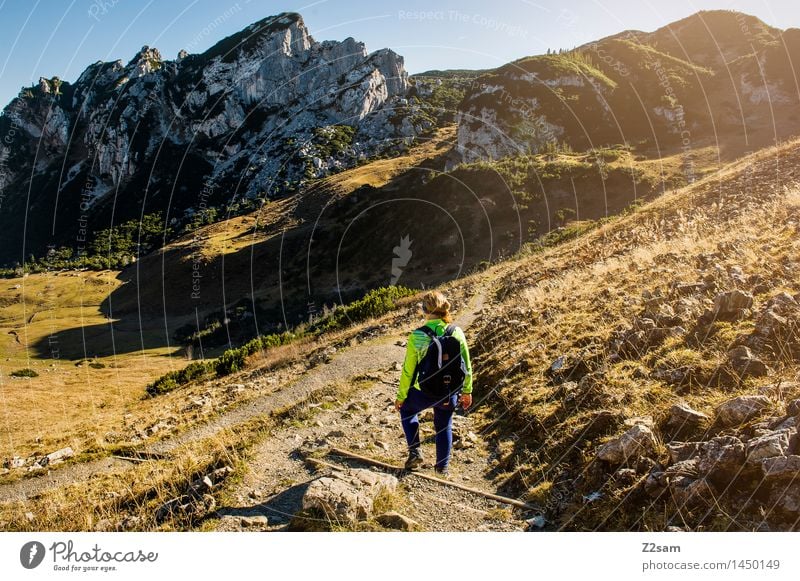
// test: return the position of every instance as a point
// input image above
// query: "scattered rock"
(722, 457)
(768, 446)
(130, 523)
(601, 423)
(537, 522)
(682, 414)
(740, 409)
(254, 521)
(655, 482)
(673, 376)
(60, 455)
(104, 525)
(625, 477)
(646, 421)
(683, 422)
(781, 467)
(688, 288)
(680, 451)
(637, 441)
(397, 521)
(694, 493)
(682, 469)
(732, 305)
(784, 503)
(187, 506)
(745, 364)
(793, 407)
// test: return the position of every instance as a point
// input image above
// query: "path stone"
(347, 496)
(397, 521)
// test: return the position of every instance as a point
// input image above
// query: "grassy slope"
(570, 299)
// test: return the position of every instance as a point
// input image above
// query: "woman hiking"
(437, 373)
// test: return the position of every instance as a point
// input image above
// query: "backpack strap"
(434, 340)
(449, 330)
(428, 331)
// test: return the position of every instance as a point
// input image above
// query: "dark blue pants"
(442, 422)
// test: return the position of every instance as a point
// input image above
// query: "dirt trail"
(370, 357)
(366, 422)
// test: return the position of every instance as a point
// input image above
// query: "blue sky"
(62, 37)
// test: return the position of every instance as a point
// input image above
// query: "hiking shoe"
(443, 472)
(415, 459)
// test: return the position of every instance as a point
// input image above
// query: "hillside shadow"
(104, 340)
(287, 275)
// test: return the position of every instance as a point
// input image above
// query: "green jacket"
(416, 348)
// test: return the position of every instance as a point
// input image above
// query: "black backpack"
(441, 370)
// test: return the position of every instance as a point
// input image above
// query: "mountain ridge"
(246, 119)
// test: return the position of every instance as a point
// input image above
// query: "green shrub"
(163, 384)
(27, 372)
(375, 303)
(175, 379)
(233, 360)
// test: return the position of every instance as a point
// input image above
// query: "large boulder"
(637, 441)
(347, 496)
(740, 409)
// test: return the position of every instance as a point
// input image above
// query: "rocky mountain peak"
(259, 113)
(146, 61)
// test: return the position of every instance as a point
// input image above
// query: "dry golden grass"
(67, 404)
(573, 297)
(111, 498)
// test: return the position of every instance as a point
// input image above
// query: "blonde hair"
(435, 303)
